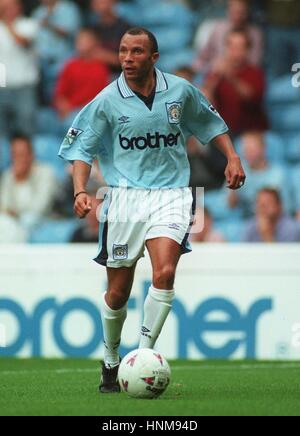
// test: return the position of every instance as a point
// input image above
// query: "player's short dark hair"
(142, 31)
(272, 191)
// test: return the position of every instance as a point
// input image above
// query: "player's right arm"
(82, 144)
(83, 202)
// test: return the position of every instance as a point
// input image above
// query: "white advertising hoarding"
(232, 302)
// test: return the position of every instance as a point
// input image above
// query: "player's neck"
(145, 85)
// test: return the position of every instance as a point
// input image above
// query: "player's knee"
(164, 277)
(117, 298)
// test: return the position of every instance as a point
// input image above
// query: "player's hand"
(82, 205)
(234, 173)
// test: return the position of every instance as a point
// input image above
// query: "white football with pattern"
(144, 373)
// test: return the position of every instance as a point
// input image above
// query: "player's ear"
(155, 57)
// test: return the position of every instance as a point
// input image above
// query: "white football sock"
(156, 309)
(112, 322)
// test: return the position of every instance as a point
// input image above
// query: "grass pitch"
(70, 387)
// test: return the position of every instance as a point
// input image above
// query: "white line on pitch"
(173, 368)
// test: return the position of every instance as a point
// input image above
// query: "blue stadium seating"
(164, 13)
(281, 91)
(295, 181)
(292, 143)
(285, 118)
(46, 148)
(232, 230)
(4, 154)
(217, 204)
(170, 62)
(57, 232)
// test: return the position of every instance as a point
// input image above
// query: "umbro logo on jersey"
(149, 141)
(123, 120)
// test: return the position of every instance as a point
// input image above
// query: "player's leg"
(165, 254)
(113, 315)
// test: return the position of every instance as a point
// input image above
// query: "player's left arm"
(234, 173)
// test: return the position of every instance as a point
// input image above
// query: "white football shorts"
(130, 217)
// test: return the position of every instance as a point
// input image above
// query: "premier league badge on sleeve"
(73, 134)
(174, 111)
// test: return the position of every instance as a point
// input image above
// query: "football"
(144, 373)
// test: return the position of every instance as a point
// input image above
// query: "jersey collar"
(126, 92)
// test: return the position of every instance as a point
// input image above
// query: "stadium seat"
(172, 61)
(46, 148)
(285, 118)
(4, 154)
(53, 232)
(292, 146)
(129, 12)
(232, 230)
(163, 13)
(295, 182)
(281, 91)
(172, 39)
(217, 204)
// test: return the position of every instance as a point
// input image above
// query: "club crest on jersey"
(174, 111)
(73, 134)
(120, 252)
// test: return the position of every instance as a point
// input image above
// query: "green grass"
(69, 387)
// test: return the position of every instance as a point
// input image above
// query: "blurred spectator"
(81, 79)
(185, 72)
(213, 48)
(270, 223)
(88, 231)
(27, 188)
(59, 22)
(260, 173)
(208, 234)
(237, 87)
(111, 28)
(18, 100)
(207, 163)
(283, 18)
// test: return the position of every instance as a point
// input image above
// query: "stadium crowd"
(57, 55)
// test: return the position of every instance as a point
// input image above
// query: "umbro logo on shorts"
(174, 226)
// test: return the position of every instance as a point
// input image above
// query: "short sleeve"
(84, 139)
(201, 118)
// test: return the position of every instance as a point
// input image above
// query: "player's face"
(136, 57)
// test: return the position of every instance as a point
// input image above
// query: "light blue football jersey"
(138, 147)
